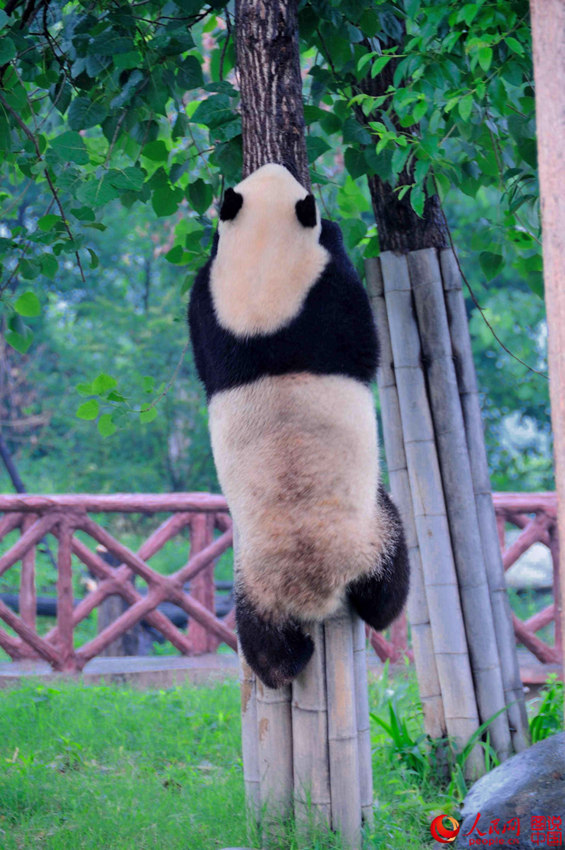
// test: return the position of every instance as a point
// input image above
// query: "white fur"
(267, 261)
(297, 461)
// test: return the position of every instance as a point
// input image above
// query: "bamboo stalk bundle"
(430, 515)
(470, 404)
(418, 614)
(427, 288)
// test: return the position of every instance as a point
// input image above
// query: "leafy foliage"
(119, 125)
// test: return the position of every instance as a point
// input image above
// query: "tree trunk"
(548, 32)
(268, 60)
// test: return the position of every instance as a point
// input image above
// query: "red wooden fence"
(202, 515)
(61, 517)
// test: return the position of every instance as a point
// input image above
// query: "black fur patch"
(379, 600)
(334, 333)
(275, 653)
(231, 205)
(306, 211)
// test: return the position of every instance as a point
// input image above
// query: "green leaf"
(84, 389)
(189, 73)
(48, 222)
(94, 261)
(165, 200)
(418, 199)
(379, 64)
(28, 305)
(355, 163)
(148, 415)
(18, 341)
(156, 151)
(465, 106)
(70, 147)
(88, 410)
(49, 265)
(175, 255)
(106, 426)
(315, 146)
(491, 263)
(129, 179)
(7, 52)
(4, 19)
(97, 192)
(213, 111)
(103, 383)
(200, 195)
(83, 213)
(514, 45)
(485, 57)
(84, 113)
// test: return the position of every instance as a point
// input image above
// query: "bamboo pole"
(312, 798)
(445, 405)
(548, 34)
(342, 729)
(488, 528)
(363, 721)
(274, 733)
(432, 530)
(418, 613)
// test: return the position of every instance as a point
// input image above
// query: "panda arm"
(196, 321)
(355, 330)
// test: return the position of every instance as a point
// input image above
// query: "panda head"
(269, 254)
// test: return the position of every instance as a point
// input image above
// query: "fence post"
(110, 609)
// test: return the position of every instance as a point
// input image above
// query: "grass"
(115, 768)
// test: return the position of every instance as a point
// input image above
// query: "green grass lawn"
(110, 767)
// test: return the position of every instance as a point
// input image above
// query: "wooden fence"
(61, 517)
(205, 517)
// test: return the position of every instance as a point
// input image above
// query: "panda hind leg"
(379, 598)
(276, 652)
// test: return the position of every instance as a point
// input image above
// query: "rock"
(530, 784)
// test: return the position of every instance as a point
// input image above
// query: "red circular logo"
(442, 833)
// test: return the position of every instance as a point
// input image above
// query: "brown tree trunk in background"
(268, 59)
(548, 33)
(400, 229)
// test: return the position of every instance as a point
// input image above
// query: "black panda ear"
(306, 211)
(231, 205)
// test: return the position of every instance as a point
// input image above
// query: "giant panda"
(285, 345)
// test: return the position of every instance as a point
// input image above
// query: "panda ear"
(306, 211)
(231, 205)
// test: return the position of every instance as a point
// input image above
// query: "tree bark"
(548, 33)
(268, 59)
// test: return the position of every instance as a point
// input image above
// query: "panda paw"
(379, 597)
(276, 653)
